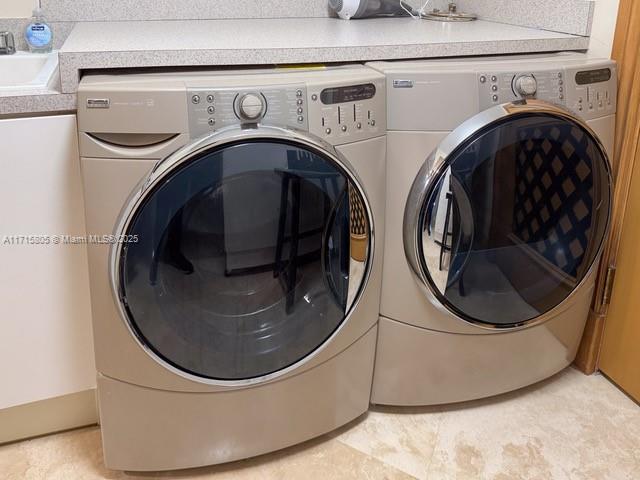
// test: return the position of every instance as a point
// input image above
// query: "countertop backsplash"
(120, 10)
(17, 26)
(565, 16)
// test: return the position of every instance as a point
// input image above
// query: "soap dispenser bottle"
(38, 34)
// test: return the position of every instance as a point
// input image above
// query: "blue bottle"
(38, 34)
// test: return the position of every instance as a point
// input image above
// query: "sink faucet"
(7, 43)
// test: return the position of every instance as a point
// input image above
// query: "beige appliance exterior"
(152, 416)
(426, 354)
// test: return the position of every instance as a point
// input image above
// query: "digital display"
(593, 76)
(352, 93)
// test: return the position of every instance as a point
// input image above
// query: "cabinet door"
(47, 349)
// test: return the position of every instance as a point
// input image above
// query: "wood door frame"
(625, 52)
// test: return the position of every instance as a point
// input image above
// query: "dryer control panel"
(593, 91)
(589, 92)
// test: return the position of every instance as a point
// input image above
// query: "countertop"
(100, 45)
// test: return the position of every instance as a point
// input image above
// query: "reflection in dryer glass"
(516, 219)
(244, 264)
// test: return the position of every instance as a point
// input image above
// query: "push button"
(195, 99)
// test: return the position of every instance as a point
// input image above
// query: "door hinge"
(608, 285)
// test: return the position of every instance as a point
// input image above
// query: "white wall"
(603, 29)
(17, 8)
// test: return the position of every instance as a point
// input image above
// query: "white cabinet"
(46, 348)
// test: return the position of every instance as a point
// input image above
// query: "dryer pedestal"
(416, 366)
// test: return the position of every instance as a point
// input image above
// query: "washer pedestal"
(149, 429)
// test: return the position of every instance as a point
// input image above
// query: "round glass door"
(513, 218)
(249, 256)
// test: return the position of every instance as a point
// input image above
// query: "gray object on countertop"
(349, 9)
(7, 43)
(450, 15)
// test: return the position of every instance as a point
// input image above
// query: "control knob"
(251, 106)
(526, 85)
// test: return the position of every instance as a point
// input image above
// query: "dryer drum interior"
(243, 264)
(514, 218)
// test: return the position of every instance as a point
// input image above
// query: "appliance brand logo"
(403, 84)
(98, 103)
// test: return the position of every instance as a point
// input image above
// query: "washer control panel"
(337, 111)
(590, 92)
(213, 108)
(501, 87)
(350, 112)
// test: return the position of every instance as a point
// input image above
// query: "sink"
(28, 71)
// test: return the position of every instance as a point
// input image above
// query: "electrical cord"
(412, 13)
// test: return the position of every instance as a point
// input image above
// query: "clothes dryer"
(498, 202)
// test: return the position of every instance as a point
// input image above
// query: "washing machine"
(235, 257)
(498, 201)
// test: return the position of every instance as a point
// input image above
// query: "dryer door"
(508, 215)
(242, 254)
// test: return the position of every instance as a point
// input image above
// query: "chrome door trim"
(434, 166)
(163, 168)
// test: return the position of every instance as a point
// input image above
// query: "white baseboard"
(48, 416)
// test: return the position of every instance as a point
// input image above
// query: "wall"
(17, 8)
(603, 28)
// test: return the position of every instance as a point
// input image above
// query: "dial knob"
(526, 85)
(251, 106)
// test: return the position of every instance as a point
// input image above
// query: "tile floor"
(568, 427)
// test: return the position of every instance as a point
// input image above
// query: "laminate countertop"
(210, 43)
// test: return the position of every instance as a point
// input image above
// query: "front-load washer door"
(508, 215)
(242, 254)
